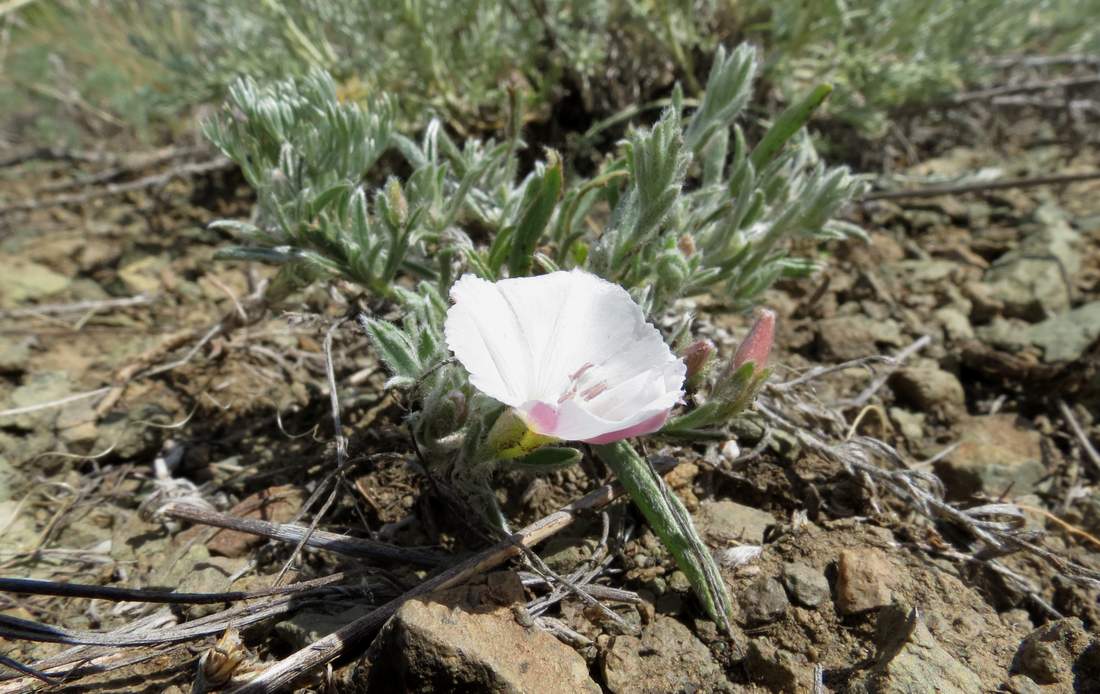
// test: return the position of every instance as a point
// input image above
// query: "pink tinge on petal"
(647, 427)
(758, 343)
(543, 418)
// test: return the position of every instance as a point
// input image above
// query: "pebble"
(807, 586)
(862, 580)
(763, 601)
(996, 453)
(930, 389)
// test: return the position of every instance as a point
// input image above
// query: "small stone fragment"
(863, 577)
(730, 450)
(956, 325)
(1068, 335)
(778, 669)
(996, 453)
(23, 280)
(852, 337)
(667, 657)
(1059, 652)
(1021, 684)
(1028, 280)
(726, 520)
(14, 353)
(37, 389)
(210, 575)
(808, 586)
(763, 601)
(910, 424)
(931, 389)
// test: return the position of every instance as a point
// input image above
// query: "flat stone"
(726, 521)
(863, 580)
(956, 324)
(1068, 335)
(852, 337)
(763, 601)
(23, 280)
(667, 657)
(439, 646)
(39, 388)
(996, 453)
(910, 424)
(1021, 684)
(930, 389)
(807, 586)
(14, 353)
(917, 271)
(1028, 280)
(20, 533)
(909, 659)
(127, 432)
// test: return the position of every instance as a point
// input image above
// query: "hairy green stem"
(669, 519)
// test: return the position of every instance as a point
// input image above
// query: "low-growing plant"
(683, 207)
(882, 55)
(467, 62)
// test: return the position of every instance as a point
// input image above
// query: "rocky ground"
(991, 300)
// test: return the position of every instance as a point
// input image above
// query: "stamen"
(574, 379)
(568, 395)
(594, 390)
(580, 372)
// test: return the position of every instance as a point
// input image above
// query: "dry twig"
(982, 186)
(319, 539)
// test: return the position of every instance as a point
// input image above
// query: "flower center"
(575, 379)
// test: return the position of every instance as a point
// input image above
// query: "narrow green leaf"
(500, 249)
(323, 199)
(786, 125)
(539, 200)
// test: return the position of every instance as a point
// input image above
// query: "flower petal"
(487, 338)
(640, 429)
(572, 422)
(570, 350)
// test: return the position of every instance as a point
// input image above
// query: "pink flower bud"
(758, 343)
(696, 356)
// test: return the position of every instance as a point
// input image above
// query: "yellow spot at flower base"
(511, 438)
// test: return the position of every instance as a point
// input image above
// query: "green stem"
(669, 519)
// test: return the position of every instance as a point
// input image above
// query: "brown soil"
(244, 423)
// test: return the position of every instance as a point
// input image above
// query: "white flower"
(571, 352)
